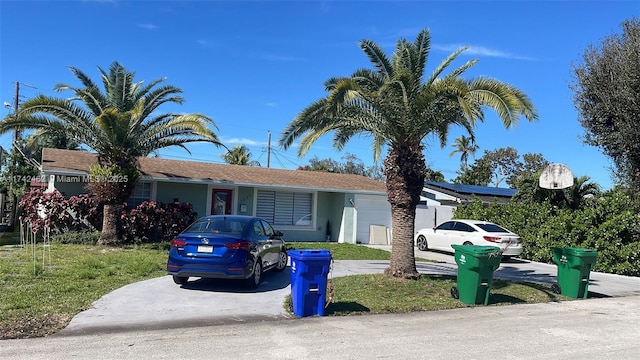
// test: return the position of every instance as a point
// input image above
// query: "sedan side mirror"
(277, 234)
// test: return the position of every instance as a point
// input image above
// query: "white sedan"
(469, 232)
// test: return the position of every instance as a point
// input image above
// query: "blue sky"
(254, 65)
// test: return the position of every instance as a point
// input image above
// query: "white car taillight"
(492, 239)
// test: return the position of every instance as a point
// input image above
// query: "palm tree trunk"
(405, 171)
(403, 262)
(110, 222)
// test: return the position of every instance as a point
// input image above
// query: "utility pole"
(16, 102)
(17, 136)
(269, 150)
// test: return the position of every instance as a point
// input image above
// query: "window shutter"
(283, 208)
(265, 207)
(301, 206)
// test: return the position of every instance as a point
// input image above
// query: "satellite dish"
(556, 176)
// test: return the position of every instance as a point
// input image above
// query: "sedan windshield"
(225, 226)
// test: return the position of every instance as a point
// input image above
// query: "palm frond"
(444, 64)
(459, 71)
(377, 57)
(421, 46)
(302, 123)
(84, 79)
(158, 97)
(507, 101)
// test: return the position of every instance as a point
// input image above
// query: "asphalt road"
(159, 303)
(604, 328)
(218, 320)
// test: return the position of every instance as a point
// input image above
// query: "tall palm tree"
(119, 124)
(398, 106)
(239, 155)
(465, 146)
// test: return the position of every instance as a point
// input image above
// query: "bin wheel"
(454, 293)
(556, 288)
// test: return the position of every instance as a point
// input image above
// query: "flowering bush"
(153, 222)
(147, 223)
(60, 214)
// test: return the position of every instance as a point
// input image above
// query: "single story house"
(304, 205)
(439, 200)
(455, 194)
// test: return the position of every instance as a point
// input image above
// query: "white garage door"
(371, 210)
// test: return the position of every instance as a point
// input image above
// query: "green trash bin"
(574, 268)
(476, 265)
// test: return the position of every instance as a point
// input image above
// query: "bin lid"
(580, 251)
(476, 250)
(310, 254)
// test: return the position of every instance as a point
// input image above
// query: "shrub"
(78, 217)
(51, 209)
(152, 222)
(608, 224)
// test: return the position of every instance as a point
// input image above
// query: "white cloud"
(147, 26)
(243, 141)
(480, 51)
(271, 104)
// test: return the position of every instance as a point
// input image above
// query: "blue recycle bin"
(309, 270)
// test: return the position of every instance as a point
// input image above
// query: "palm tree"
(239, 155)
(120, 125)
(35, 143)
(398, 106)
(465, 146)
(581, 190)
(574, 197)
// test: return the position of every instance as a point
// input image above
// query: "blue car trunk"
(209, 246)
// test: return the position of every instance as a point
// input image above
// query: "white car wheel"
(422, 243)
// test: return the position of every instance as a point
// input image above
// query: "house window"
(140, 194)
(285, 208)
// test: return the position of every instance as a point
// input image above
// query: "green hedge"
(608, 224)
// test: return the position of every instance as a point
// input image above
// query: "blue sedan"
(227, 247)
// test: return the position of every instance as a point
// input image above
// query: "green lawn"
(377, 293)
(43, 289)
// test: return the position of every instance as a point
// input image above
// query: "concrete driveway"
(160, 304)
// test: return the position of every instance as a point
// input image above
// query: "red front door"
(221, 202)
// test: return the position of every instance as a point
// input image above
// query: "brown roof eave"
(74, 163)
